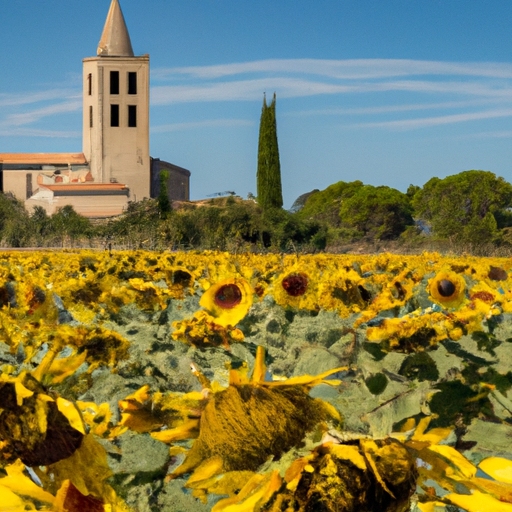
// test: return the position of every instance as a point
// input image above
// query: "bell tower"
(116, 110)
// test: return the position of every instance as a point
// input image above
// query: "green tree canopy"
(14, 222)
(466, 206)
(379, 212)
(164, 205)
(268, 176)
(325, 205)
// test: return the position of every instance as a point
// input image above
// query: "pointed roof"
(115, 39)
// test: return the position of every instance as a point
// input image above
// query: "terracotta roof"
(42, 158)
(115, 39)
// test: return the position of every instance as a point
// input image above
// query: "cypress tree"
(269, 191)
(164, 205)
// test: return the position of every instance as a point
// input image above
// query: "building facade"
(115, 165)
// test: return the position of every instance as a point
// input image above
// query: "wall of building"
(178, 184)
(22, 184)
(117, 153)
(94, 206)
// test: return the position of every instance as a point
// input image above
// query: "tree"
(14, 222)
(164, 205)
(324, 205)
(468, 207)
(269, 191)
(378, 212)
(66, 222)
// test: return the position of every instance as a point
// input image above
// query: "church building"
(114, 166)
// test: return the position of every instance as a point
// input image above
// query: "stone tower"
(116, 110)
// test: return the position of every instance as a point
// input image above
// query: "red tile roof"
(42, 158)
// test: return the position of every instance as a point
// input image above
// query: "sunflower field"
(205, 381)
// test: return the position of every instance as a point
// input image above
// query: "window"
(90, 116)
(29, 185)
(132, 82)
(114, 82)
(132, 116)
(89, 83)
(114, 115)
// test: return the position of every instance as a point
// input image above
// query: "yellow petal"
(498, 468)
(204, 471)
(254, 496)
(17, 482)
(310, 380)
(350, 453)
(433, 436)
(258, 373)
(21, 392)
(463, 465)
(141, 395)
(369, 446)
(431, 506)
(294, 472)
(72, 414)
(10, 501)
(66, 366)
(422, 426)
(408, 425)
(186, 431)
(479, 502)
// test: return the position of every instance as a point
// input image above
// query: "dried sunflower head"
(252, 420)
(35, 427)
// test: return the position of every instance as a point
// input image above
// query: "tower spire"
(115, 39)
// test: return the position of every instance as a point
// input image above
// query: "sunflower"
(235, 429)
(251, 420)
(228, 301)
(297, 286)
(447, 289)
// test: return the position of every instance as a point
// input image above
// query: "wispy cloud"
(250, 90)
(209, 123)
(429, 86)
(30, 132)
(243, 90)
(310, 77)
(36, 115)
(388, 109)
(349, 69)
(26, 98)
(439, 120)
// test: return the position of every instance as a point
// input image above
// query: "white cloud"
(250, 90)
(29, 132)
(387, 109)
(243, 90)
(343, 69)
(444, 85)
(439, 120)
(25, 98)
(36, 115)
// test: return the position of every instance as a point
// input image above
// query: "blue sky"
(390, 92)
